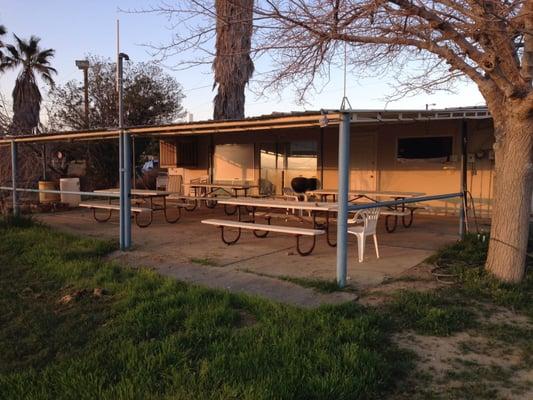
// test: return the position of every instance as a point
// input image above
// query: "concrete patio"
(193, 252)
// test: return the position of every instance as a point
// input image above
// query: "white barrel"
(70, 185)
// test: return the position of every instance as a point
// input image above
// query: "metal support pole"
(210, 158)
(321, 158)
(84, 66)
(14, 177)
(124, 163)
(344, 182)
(127, 190)
(133, 163)
(86, 94)
(121, 187)
(464, 179)
(44, 161)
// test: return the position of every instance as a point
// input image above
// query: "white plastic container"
(70, 185)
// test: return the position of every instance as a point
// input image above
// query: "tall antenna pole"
(345, 104)
(120, 143)
(118, 52)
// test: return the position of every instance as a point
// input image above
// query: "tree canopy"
(486, 42)
(150, 97)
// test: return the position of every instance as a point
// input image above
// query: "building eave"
(272, 122)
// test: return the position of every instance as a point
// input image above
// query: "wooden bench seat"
(116, 207)
(278, 215)
(266, 228)
(175, 196)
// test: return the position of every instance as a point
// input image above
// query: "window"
(234, 163)
(187, 153)
(182, 153)
(436, 148)
(167, 153)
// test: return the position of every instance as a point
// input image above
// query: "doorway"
(281, 162)
(363, 162)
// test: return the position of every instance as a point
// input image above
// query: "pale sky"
(75, 28)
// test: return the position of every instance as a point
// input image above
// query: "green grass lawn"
(150, 337)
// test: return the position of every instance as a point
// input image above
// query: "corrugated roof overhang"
(263, 123)
(191, 128)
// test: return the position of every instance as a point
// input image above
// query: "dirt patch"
(489, 313)
(474, 363)
(418, 278)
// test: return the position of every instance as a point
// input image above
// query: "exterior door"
(271, 162)
(363, 162)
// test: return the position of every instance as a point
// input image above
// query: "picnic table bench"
(135, 210)
(144, 199)
(266, 228)
(188, 202)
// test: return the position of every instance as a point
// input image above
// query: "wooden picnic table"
(280, 204)
(211, 188)
(251, 204)
(148, 196)
(368, 194)
(392, 214)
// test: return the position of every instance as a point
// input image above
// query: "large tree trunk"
(233, 65)
(512, 192)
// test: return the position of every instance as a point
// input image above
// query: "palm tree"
(3, 31)
(33, 61)
(233, 65)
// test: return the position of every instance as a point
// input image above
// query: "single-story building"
(397, 150)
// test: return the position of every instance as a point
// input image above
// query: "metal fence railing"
(52, 191)
(393, 203)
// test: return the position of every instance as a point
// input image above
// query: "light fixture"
(82, 64)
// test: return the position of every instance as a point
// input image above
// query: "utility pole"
(84, 66)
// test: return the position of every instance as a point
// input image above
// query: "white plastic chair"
(290, 194)
(369, 220)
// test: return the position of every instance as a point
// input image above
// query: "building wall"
(200, 171)
(428, 177)
(420, 176)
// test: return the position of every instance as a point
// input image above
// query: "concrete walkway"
(234, 280)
